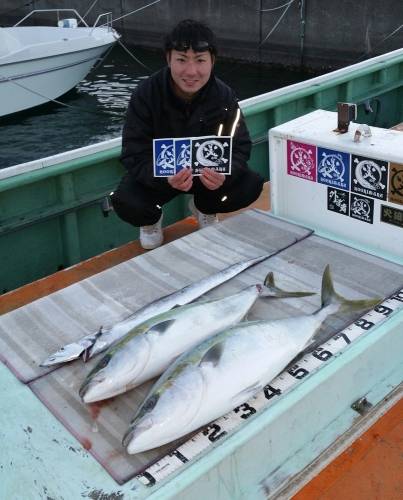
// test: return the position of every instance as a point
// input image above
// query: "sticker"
(164, 157)
(212, 152)
(301, 160)
(338, 201)
(183, 154)
(396, 183)
(369, 177)
(392, 215)
(362, 208)
(334, 168)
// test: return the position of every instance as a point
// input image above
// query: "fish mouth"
(134, 432)
(73, 351)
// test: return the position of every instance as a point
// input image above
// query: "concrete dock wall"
(314, 33)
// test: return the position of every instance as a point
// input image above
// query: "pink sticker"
(301, 160)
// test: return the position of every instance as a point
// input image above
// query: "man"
(184, 99)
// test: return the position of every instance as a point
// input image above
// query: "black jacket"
(156, 112)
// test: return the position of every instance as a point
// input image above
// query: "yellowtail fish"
(151, 347)
(227, 369)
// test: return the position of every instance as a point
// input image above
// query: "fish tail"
(270, 289)
(330, 296)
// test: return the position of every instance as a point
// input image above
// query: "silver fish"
(226, 370)
(92, 344)
(151, 347)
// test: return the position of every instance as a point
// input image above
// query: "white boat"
(41, 63)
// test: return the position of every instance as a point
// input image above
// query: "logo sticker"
(392, 215)
(396, 183)
(362, 208)
(301, 160)
(369, 177)
(183, 154)
(338, 201)
(334, 168)
(212, 152)
(164, 157)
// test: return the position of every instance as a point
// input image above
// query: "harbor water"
(94, 110)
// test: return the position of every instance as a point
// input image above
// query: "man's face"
(190, 70)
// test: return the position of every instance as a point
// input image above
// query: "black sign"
(338, 201)
(362, 208)
(392, 215)
(369, 177)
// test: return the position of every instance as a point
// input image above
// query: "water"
(97, 105)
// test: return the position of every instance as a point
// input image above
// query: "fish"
(95, 343)
(150, 348)
(228, 369)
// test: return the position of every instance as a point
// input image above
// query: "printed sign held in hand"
(173, 154)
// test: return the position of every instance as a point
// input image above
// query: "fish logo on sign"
(164, 157)
(301, 160)
(396, 184)
(362, 208)
(183, 154)
(334, 168)
(213, 153)
(369, 177)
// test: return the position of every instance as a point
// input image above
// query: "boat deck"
(356, 471)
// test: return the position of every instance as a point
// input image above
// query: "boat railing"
(52, 10)
(108, 22)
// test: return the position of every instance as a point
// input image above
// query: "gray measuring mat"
(31, 333)
(100, 427)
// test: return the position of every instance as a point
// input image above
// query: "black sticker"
(362, 208)
(392, 215)
(338, 201)
(369, 177)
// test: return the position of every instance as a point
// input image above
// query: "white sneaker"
(203, 219)
(151, 236)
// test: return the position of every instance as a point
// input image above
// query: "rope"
(278, 22)
(276, 8)
(132, 12)
(134, 57)
(60, 102)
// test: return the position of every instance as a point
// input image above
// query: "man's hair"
(190, 34)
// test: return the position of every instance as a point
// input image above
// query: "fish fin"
(86, 354)
(270, 289)
(161, 328)
(213, 355)
(245, 394)
(329, 295)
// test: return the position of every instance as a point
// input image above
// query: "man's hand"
(182, 181)
(211, 179)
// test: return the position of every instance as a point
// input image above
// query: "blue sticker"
(183, 154)
(164, 157)
(334, 168)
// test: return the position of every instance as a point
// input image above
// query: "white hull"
(34, 74)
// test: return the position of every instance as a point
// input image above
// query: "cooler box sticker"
(395, 183)
(338, 201)
(212, 152)
(301, 160)
(362, 208)
(183, 154)
(369, 177)
(334, 168)
(164, 157)
(392, 215)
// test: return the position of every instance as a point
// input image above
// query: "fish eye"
(104, 362)
(148, 406)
